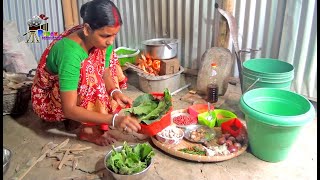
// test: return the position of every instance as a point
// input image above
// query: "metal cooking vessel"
(136, 176)
(161, 48)
(6, 159)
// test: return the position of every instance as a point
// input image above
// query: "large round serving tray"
(174, 149)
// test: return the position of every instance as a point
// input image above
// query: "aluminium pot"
(161, 48)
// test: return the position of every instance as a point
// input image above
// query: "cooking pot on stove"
(160, 48)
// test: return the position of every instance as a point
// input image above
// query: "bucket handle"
(251, 85)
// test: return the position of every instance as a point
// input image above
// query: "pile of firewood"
(60, 152)
(16, 92)
(149, 65)
(14, 81)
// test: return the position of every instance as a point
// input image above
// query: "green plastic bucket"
(274, 118)
(266, 73)
(251, 81)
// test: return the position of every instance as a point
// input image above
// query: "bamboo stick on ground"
(57, 148)
(28, 167)
(64, 159)
(24, 171)
(76, 149)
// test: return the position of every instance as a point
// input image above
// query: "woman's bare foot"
(95, 135)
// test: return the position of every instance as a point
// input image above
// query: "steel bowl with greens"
(129, 160)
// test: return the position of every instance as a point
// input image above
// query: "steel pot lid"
(160, 42)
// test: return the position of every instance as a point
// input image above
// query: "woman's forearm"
(108, 80)
(116, 94)
(83, 115)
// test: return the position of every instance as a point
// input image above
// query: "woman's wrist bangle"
(115, 90)
(109, 92)
(114, 118)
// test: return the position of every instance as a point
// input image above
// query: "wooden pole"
(67, 14)
(224, 32)
(75, 12)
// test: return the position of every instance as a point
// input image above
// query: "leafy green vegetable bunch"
(130, 160)
(193, 150)
(149, 109)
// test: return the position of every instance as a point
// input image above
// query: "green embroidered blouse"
(65, 59)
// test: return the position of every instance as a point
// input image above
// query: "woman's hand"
(127, 123)
(117, 95)
(122, 99)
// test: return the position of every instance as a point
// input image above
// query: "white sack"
(17, 56)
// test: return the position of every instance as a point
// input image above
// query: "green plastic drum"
(268, 66)
(274, 118)
(267, 73)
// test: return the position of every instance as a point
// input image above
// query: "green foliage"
(193, 150)
(149, 109)
(130, 160)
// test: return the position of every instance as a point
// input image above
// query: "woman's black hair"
(100, 13)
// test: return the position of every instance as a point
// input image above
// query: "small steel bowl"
(176, 113)
(6, 159)
(136, 176)
(167, 140)
(210, 133)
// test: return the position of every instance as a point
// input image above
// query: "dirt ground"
(26, 135)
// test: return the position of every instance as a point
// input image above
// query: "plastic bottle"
(213, 88)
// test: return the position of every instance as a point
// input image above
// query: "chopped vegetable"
(171, 132)
(201, 134)
(209, 152)
(183, 120)
(130, 160)
(220, 150)
(193, 150)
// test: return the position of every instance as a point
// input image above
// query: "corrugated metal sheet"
(22, 11)
(285, 30)
(299, 45)
(189, 21)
